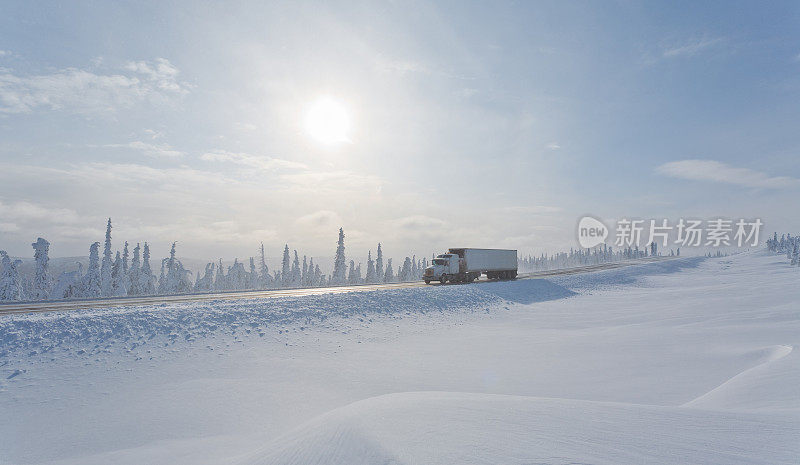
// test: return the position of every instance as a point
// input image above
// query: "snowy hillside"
(684, 361)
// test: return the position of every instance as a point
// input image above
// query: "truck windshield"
(439, 261)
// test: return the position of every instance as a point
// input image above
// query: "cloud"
(244, 126)
(321, 219)
(419, 222)
(400, 65)
(153, 150)
(714, 171)
(86, 92)
(8, 227)
(153, 134)
(160, 72)
(4, 53)
(691, 47)
(21, 212)
(335, 183)
(254, 161)
(553, 146)
(532, 209)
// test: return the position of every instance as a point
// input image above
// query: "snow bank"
(761, 387)
(96, 331)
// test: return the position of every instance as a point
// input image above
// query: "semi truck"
(465, 265)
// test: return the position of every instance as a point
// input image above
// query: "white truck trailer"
(466, 265)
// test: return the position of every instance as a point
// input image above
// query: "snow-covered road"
(685, 361)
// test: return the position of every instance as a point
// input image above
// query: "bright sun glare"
(328, 121)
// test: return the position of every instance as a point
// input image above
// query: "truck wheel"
(427, 281)
(443, 279)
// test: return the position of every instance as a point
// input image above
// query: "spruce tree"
(42, 282)
(135, 287)
(371, 274)
(339, 265)
(92, 287)
(389, 276)
(379, 274)
(266, 279)
(146, 278)
(105, 270)
(10, 283)
(219, 280)
(286, 271)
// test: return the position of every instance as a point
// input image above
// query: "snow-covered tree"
(304, 274)
(91, 282)
(317, 276)
(339, 265)
(176, 280)
(134, 277)
(405, 273)
(125, 258)
(146, 278)
(286, 270)
(118, 281)
(68, 285)
(42, 283)
(220, 281)
(162, 277)
(206, 283)
(389, 276)
(379, 274)
(183, 279)
(310, 278)
(253, 277)
(266, 279)
(105, 270)
(171, 263)
(351, 274)
(10, 282)
(372, 276)
(125, 279)
(296, 273)
(237, 276)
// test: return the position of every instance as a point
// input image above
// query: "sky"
(479, 124)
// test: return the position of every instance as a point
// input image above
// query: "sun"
(328, 121)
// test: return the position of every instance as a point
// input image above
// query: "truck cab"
(443, 266)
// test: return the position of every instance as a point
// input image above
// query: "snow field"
(671, 362)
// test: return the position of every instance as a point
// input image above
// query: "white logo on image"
(591, 232)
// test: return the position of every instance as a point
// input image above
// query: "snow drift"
(449, 427)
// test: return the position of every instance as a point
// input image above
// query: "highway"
(72, 305)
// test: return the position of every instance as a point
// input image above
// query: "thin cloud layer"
(85, 92)
(691, 47)
(715, 171)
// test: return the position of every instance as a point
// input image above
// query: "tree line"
(122, 273)
(787, 244)
(583, 257)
